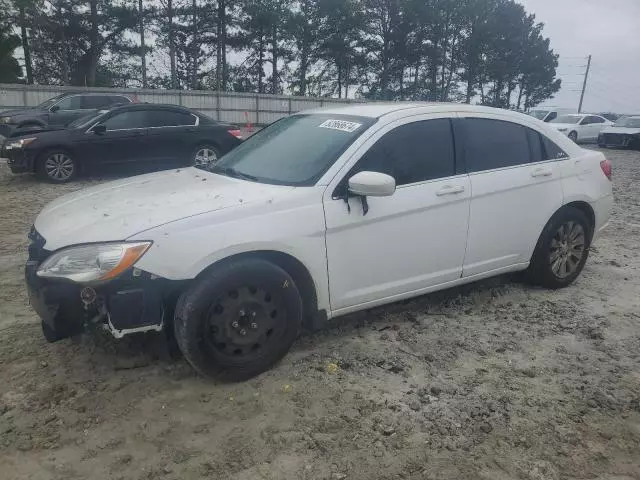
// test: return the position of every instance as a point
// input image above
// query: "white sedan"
(320, 214)
(580, 127)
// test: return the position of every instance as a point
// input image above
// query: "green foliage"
(486, 51)
(10, 70)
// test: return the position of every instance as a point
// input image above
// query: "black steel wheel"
(238, 320)
(562, 249)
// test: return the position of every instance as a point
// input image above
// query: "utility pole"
(584, 83)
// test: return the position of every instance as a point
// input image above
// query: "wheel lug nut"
(234, 324)
(243, 332)
(254, 325)
(253, 314)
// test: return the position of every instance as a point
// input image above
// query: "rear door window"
(411, 153)
(70, 103)
(551, 151)
(128, 120)
(491, 144)
(95, 101)
(170, 118)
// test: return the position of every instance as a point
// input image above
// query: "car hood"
(627, 130)
(19, 111)
(117, 210)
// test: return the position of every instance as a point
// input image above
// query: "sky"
(609, 30)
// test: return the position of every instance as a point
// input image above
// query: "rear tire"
(56, 166)
(573, 135)
(562, 249)
(239, 319)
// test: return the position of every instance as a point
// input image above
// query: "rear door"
(515, 190)
(125, 140)
(172, 135)
(596, 126)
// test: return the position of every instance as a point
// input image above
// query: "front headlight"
(92, 263)
(23, 142)
(5, 119)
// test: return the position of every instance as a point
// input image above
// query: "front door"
(125, 140)
(409, 241)
(66, 111)
(515, 191)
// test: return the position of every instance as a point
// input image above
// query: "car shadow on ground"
(144, 349)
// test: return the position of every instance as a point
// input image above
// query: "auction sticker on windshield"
(342, 125)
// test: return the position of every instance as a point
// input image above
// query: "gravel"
(496, 380)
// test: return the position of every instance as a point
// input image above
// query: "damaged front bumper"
(136, 301)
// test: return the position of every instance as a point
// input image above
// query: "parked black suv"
(58, 111)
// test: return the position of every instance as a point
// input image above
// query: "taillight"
(236, 133)
(605, 165)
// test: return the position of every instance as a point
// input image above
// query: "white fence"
(258, 109)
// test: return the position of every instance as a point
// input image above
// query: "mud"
(496, 380)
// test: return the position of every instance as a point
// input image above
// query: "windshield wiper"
(232, 172)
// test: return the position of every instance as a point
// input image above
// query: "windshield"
(567, 119)
(629, 122)
(539, 114)
(51, 101)
(86, 120)
(294, 151)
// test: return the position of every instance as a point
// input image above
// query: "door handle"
(450, 190)
(542, 172)
(138, 133)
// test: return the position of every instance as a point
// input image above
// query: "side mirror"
(54, 109)
(100, 129)
(372, 184)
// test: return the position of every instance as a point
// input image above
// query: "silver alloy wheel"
(573, 136)
(567, 249)
(59, 166)
(205, 156)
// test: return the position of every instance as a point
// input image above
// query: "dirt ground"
(497, 380)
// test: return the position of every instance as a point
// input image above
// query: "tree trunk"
(63, 53)
(275, 84)
(143, 53)
(221, 60)
(172, 45)
(304, 65)
(25, 46)
(520, 92)
(94, 48)
(260, 62)
(195, 49)
(339, 80)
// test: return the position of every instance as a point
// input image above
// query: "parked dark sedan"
(140, 133)
(58, 111)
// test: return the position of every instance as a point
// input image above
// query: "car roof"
(377, 110)
(151, 106)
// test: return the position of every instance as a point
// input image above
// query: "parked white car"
(547, 114)
(322, 213)
(581, 127)
(624, 133)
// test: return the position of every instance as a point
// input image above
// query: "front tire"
(238, 320)
(573, 136)
(562, 249)
(56, 166)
